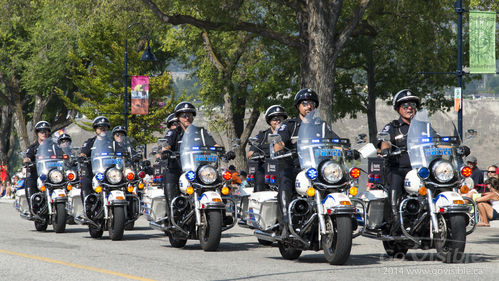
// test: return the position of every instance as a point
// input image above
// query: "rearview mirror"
(274, 138)
(383, 136)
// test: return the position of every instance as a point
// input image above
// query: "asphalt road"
(145, 254)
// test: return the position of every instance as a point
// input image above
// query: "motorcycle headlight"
(332, 172)
(207, 174)
(443, 171)
(56, 176)
(114, 176)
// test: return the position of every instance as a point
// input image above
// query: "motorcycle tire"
(338, 243)
(395, 249)
(117, 223)
(176, 242)
(59, 222)
(211, 233)
(41, 225)
(265, 242)
(288, 252)
(452, 250)
(95, 232)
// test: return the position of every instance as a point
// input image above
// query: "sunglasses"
(186, 115)
(119, 134)
(406, 105)
(44, 132)
(102, 128)
(277, 118)
(491, 172)
(306, 103)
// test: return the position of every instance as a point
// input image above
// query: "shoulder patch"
(386, 128)
(169, 133)
(283, 127)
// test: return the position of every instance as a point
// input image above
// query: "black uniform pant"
(31, 186)
(260, 177)
(170, 185)
(86, 183)
(287, 177)
(396, 179)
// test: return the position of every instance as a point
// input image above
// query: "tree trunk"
(5, 132)
(371, 96)
(241, 161)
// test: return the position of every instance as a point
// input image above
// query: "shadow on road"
(223, 247)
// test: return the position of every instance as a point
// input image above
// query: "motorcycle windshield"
(198, 148)
(317, 142)
(428, 141)
(49, 156)
(105, 153)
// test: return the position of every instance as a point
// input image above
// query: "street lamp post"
(146, 56)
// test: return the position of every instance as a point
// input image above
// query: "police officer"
(406, 104)
(64, 140)
(172, 121)
(274, 116)
(100, 125)
(42, 131)
(306, 100)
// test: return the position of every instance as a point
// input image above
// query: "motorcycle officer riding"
(406, 104)
(274, 116)
(100, 124)
(42, 131)
(305, 101)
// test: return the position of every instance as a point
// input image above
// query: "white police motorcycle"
(49, 205)
(432, 212)
(105, 209)
(321, 214)
(200, 211)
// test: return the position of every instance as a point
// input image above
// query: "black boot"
(171, 191)
(395, 229)
(284, 199)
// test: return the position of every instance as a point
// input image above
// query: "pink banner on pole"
(140, 95)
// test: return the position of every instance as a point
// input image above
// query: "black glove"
(230, 155)
(145, 163)
(352, 154)
(82, 159)
(463, 150)
(166, 154)
(385, 152)
(137, 158)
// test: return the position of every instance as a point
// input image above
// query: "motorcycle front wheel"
(450, 247)
(59, 222)
(41, 225)
(95, 232)
(117, 223)
(337, 244)
(211, 230)
(288, 252)
(176, 241)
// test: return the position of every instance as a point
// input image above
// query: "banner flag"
(140, 95)
(457, 99)
(482, 42)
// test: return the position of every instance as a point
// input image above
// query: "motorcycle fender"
(446, 199)
(58, 195)
(336, 202)
(183, 183)
(211, 200)
(117, 197)
(302, 183)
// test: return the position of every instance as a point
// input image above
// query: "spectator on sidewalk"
(3, 178)
(492, 171)
(489, 211)
(476, 174)
(236, 179)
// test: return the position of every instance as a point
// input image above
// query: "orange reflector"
(345, 203)
(43, 188)
(130, 188)
(465, 189)
(120, 198)
(62, 195)
(69, 187)
(216, 200)
(353, 190)
(189, 190)
(227, 175)
(422, 191)
(355, 173)
(98, 189)
(458, 201)
(130, 176)
(71, 176)
(310, 191)
(141, 185)
(466, 172)
(225, 190)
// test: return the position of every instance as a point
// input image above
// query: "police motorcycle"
(49, 205)
(21, 203)
(74, 207)
(321, 213)
(106, 208)
(200, 212)
(432, 212)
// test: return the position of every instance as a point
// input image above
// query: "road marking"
(90, 268)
